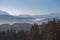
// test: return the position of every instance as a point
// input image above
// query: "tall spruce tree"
(50, 32)
(34, 32)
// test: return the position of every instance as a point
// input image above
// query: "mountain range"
(16, 26)
(51, 15)
(22, 21)
(6, 18)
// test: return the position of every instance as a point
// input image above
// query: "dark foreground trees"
(48, 31)
(52, 31)
(13, 35)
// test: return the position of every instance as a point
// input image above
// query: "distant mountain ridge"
(52, 15)
(17, 26)
(5, 18)
(3, 13)
(25, 16)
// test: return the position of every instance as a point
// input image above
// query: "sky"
(30, 7)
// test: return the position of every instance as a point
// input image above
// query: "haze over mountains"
(22, 21)
(6, 18)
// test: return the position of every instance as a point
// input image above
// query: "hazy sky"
(30, 7)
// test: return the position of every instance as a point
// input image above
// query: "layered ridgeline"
(5, 18)
(10, 22)
(23, 21)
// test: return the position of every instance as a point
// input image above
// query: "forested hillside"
(44, 31)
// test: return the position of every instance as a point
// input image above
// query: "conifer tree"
(34, 32)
